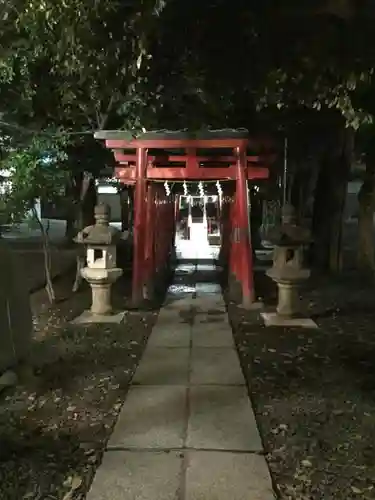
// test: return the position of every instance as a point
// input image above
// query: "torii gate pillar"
(241, 280)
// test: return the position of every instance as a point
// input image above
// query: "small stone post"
(288, 271)
(101, 271)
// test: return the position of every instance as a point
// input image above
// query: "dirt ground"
(54, 427)
(314, 393)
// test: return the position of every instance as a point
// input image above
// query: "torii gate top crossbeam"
(188, 162)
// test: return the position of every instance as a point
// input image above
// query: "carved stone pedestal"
(101, 271)
(289, 273)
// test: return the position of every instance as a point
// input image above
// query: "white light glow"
(107, 190)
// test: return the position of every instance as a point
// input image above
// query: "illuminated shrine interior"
(197, 226)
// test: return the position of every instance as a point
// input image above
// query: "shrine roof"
(180, 135)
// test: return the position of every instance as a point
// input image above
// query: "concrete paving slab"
(208, 266)
(212, 297)
(173, 314)
(209, 320)
(224, 476)
(208, 291)
(163, 366)
(212, 335)
(205, 304)
(185, 269)
(217, 308)
(137, 476)
(212, 317)
(181, 290)
(178, 335)
(175, 303)
(273, 319)
(183, 283)
(176, 309)
(171, 317)
(152, 417)
(207, 288)
(221, 418)
(202, 312)
(215, 365)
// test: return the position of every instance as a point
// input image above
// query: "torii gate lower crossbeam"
(176, 156)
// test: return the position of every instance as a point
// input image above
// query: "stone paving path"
(187, 429)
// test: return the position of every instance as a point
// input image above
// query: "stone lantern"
(101, 272)
(288, 270)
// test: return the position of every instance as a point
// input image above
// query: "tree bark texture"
(329, 204)
(366, 199)
(85, 217)
(125, 208)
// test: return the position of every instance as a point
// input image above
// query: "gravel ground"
(54, 426)
(314, 394)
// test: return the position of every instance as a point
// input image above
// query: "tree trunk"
(70, 211)
(297, 191)
(88, 200)
(125, 207)
(85, 217)
(47, 257)
(366, 199)
(329, 204)
(70, 228)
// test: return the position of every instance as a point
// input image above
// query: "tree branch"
(103, 118)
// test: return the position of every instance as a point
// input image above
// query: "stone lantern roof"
(101, 233)
(289, 233)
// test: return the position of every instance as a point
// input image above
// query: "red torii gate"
(148, 157)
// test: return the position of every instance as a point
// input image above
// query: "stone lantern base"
(100, 281)
(88, 317)
(288, 311)
(288, 271)
(274, 319)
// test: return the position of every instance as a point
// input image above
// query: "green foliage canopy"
(230, 59)
(29, 174)
(71, 63)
